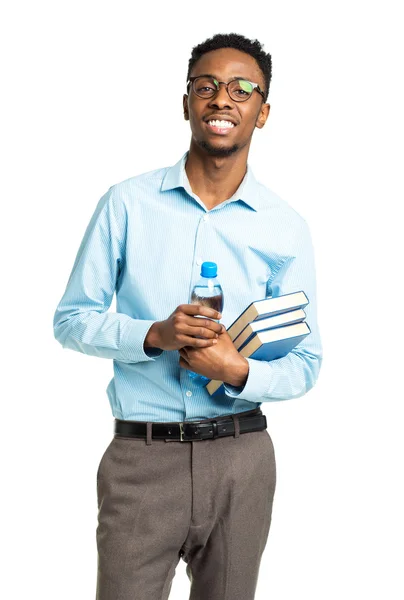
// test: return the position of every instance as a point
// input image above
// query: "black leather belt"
(187, 431)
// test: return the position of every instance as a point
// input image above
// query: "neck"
(215, 179)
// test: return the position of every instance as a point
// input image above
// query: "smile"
(221, 127)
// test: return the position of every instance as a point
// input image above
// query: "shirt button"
(188, 393)
(199, 261)
(205, 217)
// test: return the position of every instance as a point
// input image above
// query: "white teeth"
(221, 123)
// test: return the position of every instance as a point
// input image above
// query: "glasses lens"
(205, 87)
(240, 90)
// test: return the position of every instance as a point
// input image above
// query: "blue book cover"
(288, 318)
(268, 345)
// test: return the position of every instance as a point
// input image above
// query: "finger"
(200, 309)
(197, 342)
(200, 328)
(207, 323)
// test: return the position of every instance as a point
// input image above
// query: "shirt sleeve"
(296, 373)
(81, 321)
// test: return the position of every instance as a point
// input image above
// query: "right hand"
(181, 326)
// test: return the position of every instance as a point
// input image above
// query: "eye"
(242, 88)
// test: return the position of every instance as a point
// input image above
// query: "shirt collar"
(248, 190)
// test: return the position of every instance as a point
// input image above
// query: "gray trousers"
(208, 502)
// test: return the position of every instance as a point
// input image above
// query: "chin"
(220, 151)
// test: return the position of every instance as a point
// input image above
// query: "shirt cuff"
(257, 382)
(133, 341)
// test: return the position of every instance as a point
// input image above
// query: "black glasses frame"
(256, 87)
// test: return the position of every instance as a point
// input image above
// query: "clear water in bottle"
(207, 291)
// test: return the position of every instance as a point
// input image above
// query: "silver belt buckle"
(189, 439)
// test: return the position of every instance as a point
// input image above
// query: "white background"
(72, 126)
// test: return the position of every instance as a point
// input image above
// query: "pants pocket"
(103, 457)
(269, 438)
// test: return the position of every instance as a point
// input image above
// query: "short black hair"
(239, 42)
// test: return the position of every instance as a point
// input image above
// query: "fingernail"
(214, 341)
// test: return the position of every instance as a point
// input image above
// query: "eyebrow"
(215, 77)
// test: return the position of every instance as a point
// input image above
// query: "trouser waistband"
(185, 431)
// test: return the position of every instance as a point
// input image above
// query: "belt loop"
(236, 426)
(149, 425)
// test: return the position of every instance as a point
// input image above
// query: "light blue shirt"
(146, 241)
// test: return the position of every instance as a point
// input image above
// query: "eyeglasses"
(239, 90)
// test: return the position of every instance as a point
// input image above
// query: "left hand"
(214, 362)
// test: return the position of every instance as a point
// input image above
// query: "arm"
(296, 373)
(81, 321)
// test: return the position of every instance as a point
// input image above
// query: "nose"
(221, 98)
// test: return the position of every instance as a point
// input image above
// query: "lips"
(219, 130)
(220, 118)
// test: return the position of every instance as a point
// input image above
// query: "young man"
(208, 500)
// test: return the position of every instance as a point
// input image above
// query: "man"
(206, 496)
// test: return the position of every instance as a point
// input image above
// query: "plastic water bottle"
(208, 292)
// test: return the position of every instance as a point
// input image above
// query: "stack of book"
(268, 329)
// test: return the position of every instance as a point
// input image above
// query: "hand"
(181, 326)
(219, 361)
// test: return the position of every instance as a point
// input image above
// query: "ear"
(263, 115)
(185, 107)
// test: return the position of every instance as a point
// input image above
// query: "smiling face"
(225, 64)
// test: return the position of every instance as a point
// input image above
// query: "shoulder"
(124, 194)
(284, 211)
(150, 179)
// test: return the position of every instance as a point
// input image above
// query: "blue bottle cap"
(209, 269)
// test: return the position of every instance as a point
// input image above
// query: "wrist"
(238, 374)
(152, 339)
